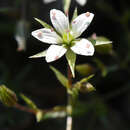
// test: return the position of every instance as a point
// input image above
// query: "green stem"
(70, 101)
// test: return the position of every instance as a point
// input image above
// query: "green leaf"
(66, 4)
(63, 80)
(84, 69)
(38, 55)
(7, 96)
(29, 102)
(71, 58)
(86, 79)
(44, 24)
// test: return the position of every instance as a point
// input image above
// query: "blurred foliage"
(107, 108)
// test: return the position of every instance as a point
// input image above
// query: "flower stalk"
(69, 101)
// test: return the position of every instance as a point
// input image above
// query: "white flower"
(81, 2)
(48, 1)
(63, 37)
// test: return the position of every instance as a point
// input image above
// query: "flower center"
(67, 39)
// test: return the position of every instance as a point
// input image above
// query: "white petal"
(48, 1)
(21, 41)
(82, 2)
(54, 52)
(47, 35)
(59, 21)
(80, 24)
(83, 47)
(102, 42)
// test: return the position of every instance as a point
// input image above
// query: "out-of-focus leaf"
(29, 102)
(63, 80)
(38, 55)
(66, 4)
(7, 96)
(101, 66)
(84, 69)
(44, 24)
(71, 58)
(102, 44)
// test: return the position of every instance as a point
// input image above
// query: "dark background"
(107, 108)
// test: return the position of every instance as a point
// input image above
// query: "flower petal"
(54, 52)
(80, 24)
(47, 35)
(83, 47)
(59, 21)
(82, 2)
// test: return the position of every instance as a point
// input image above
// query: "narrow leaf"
(71, 58)
(38, 55)
(63, 80)
(29, 102)
(44, 24)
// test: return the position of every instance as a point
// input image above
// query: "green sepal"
(63, 80)
(38, 55)
(7, 96)
(29, 102)
(83, 85)
(44, 24)
(66, 4)
(88, 87)
(75, 14)
(71, 58)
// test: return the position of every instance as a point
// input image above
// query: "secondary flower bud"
(7, 96)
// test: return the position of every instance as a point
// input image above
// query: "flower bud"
(7, 96)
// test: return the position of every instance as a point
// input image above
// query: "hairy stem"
(69, 104)
(22, 108)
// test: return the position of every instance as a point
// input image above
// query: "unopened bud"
(7, 96)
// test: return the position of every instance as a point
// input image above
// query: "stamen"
(39, 34)
(87, 14)
(57, 57)
(67, 30)
(52, 30)
(88, 45)
(54, 15)
(74, 22)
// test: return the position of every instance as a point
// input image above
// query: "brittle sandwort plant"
(64, 39)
